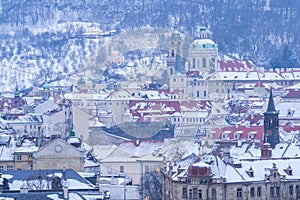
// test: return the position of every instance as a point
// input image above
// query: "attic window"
(290, 112)
(289, 171)
(250, 172)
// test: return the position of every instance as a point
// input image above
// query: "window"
(190, 193)
(239, 193)
(277, 191)
(1, 167)
(297, 189)
(147, 169)
(19, 157)
(213, 193)
(184, 192)
(291, 189)
(10, 167)
(272, 194)
(195, 192)
(121, 169)
(204, 93)
(252, 192)
(200, 194)
(259, 191)
(30, 156)
(194, 62)
(203, 62)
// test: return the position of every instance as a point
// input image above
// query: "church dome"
(46, 86)
(73, 140)
(203, 44)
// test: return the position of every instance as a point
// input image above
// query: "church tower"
(271, 123)
(175, 63)
(203, 52)
(16, 96)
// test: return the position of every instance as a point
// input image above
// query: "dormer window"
(250, 172)
(289, 171)
(290, 112)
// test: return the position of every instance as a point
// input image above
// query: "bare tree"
(151, 187)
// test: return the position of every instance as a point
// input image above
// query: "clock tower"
(271, 123)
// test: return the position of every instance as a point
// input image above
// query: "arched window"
(194, 62)
(173, 53)
(203, 62)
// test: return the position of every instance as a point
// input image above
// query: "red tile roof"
(236, 65)
(292, 93)
(8, 106)
(244, 130)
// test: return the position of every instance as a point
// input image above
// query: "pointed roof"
(259, 84)
(203, 30)
(271, 104)
(175, 33)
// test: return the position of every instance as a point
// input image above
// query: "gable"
(58, 148)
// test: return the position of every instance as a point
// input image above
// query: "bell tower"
(175, 52)
(271, 123)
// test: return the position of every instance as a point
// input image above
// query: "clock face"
(58, 148)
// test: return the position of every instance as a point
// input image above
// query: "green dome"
(203, 44)
(46, 86)
(81, 81)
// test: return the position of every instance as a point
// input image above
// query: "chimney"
(266, 151)
(226, 154)
(66, 192)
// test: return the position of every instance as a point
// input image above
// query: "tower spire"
(271, 123)
(202, 23)
(271, 104)
(203, 30)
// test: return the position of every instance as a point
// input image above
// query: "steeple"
(203, 30)
(175, 33)
(175, 61)
(271, 123)
(271, 104)
(178, 67)
(16, 96)
(17, 92)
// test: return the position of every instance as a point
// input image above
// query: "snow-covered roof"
(232, 76)
(203, 44)
(45, 107)
(240, 172)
